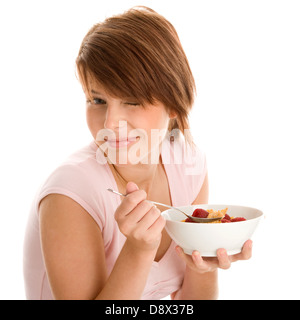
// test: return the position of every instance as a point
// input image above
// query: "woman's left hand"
(209, 264)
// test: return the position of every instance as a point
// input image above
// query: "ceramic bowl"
(207, 238)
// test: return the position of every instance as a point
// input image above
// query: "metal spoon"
(196, 219)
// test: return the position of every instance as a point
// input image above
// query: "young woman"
(83, 242)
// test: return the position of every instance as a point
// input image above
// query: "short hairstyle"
(138, 54)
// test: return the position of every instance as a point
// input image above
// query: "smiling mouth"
(120, 143)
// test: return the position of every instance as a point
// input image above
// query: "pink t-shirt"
(84, 177)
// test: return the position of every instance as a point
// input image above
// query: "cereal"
(217, 214)
(210, 213)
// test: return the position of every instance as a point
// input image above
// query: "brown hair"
(138, 54)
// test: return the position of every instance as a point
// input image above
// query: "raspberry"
(227, 217)
(189, 220)
(225, 220)
(238, 219)
(200, 213)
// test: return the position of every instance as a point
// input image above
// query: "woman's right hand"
(139, 220)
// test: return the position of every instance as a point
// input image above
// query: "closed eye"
(132, 103)
(99, 101)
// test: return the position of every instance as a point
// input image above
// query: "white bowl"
(207, 238)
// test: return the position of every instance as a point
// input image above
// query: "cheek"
(154, 120)
(156, 125)
(94, 122)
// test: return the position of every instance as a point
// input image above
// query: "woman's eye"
(98, 101)
(132, 103)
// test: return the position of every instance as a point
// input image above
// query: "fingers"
(208, 264)
(135, 208)
(222, 261)
(138, 219)
(150, 218)
(146, 215)
(131, 186)
(130, 202)
(195, 261)
(198, 261)
(225, 260)
(139, 212)
(246, 252)
(187, 259)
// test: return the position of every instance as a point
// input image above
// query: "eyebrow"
(95, 92)
(99, 93)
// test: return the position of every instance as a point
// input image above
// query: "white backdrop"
(245, 59)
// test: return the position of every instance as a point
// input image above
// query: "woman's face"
(127, 132)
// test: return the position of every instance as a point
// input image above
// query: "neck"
(142, 175)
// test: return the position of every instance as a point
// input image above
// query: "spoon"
(196, 219)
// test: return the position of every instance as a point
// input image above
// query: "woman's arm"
(73, 249)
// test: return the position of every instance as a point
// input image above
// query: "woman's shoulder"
(82, 166)
(82, 178)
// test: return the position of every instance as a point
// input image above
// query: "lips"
(121, 142)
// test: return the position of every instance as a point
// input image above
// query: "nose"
(113, 116)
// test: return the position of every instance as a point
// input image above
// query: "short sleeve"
(73, 182)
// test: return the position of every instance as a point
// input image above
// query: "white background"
(245, 59)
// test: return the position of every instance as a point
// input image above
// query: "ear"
(172, 114)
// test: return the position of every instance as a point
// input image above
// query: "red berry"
(189, 220)
(225, 220)
(200, 213)
(238, 219)
(227, 217)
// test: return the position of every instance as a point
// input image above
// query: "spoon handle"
(116, 192)
(196, 219)
(154, 202)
